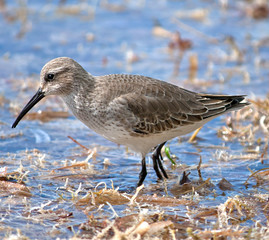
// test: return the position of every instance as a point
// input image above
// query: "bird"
(139, 112)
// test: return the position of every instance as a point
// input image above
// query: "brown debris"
(3, 101)
(199, 34)
(11, 135)
(184, 179)
(128, 227)
(257, 113)
(204, 214)
(85, 11)
(235, 55)
(199, 14)
(220, 234)
(159, 31)
(82, 146)
(193, 67)
(178, 43)
(8, 188)
(46, 116)
(193, 136)
(201, 187)
(58, 215)
(261, 176)
(112, 6)
(177, 47)
(116, 198)
(225, 185)
(237, 218)
(258, 11)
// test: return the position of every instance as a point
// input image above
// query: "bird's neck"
(80, 98)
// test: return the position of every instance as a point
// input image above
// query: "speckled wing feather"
(156, 106)
(218, 104)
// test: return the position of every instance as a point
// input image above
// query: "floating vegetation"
(55, 175)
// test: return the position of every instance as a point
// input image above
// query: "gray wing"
(153, 106)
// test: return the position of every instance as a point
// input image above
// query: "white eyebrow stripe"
(58, 69)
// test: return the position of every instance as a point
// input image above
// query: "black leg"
(161, 167)
(157, 163)
(143, 173)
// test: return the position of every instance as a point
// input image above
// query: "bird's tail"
(218, 104)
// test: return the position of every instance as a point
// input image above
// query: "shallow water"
(116, 39)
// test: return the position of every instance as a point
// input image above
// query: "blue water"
(51, 34)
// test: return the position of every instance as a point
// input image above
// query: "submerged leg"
(143, 173)
(157, 163)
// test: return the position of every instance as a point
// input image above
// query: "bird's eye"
(49, 77)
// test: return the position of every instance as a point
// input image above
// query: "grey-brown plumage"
(133, 110)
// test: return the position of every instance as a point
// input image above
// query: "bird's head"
(58, 77)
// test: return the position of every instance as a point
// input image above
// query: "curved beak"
(34, 100)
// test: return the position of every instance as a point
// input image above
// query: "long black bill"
(34, 100)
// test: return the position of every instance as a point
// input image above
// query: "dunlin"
(137, 111)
